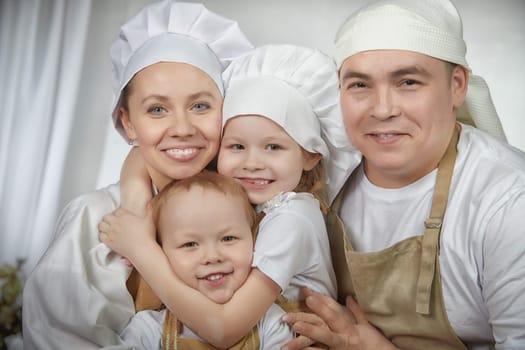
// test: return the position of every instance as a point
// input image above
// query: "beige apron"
(172, 341)
(399, 288)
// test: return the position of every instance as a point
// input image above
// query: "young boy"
(204, 224)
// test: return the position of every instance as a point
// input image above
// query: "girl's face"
(262, 157)
(174, 113)
(207, 240)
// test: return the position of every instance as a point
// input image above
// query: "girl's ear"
(128, 126)
(459, 84)
(311, 160)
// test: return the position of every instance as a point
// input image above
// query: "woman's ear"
(126, 123)
(459, 85)
(311, 160)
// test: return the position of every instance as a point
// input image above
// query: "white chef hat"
(430, 27)
(296, 87)
(170, 31)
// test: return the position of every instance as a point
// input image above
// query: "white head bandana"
(297, 88)
(429, 27)
(170, 31)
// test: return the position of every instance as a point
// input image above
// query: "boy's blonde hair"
(206, 180)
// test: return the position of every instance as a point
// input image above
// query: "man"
(434, 248)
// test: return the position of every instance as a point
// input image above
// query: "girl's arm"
(135, 184)
(222, 325)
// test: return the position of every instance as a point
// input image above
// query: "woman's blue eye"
(156, 110)
(201, 106)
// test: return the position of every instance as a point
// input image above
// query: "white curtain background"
(56, 139)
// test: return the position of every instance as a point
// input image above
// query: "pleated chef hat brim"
(171, 31)
(297, 88)
(429, 27)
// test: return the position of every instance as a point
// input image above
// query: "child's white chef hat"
(297, 88)
(430, 27)
(171, 31)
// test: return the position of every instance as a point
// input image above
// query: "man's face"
(399, 111)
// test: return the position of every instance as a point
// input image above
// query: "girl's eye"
(273, 147)
(229, 238)
(199, 107)
(237, 147)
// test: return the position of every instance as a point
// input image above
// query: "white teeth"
(214, 277)
(181, 151)
(385, 136)
(261, 182)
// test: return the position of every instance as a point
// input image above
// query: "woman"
(167, 65)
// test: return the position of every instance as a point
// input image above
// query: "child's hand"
(126, 233)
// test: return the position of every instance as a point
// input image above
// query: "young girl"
(205, 224)
(280, 117)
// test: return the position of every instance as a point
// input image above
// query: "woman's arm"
(135, 183)
(222, 325)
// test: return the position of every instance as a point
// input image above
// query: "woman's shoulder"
(102, 200)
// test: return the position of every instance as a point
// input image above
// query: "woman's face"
(174, 113)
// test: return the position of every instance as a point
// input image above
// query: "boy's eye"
(189, 244)
(229, 238)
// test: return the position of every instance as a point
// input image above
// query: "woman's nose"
(181, 125)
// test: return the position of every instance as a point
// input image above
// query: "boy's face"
(259, 154)
(399, 111)
(208, 241)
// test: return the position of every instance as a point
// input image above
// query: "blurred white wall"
(494, 32)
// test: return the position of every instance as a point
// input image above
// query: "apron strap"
(430, 241)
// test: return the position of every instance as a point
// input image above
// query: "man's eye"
(409, 82)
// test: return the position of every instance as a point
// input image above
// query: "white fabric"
(41, 60)
(292, 246)
(76, 297)
(482, 240)
(430, 27)
(171, 31)
(297, 88)
(144, 332)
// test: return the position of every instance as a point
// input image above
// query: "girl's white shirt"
(292, 246)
